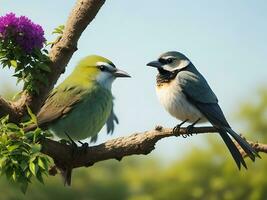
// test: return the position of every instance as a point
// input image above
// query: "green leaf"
(62, 26)
(59, 30)
(3, 162)
(44, 67)
(14, 63)
(3, 139)
(12, 147)
(23, 165)
(36, 148)
(14, 176)
(13, 127)
(32, 115)
(40, 178)
(32, 168)
(42, 164)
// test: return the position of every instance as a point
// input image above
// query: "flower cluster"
(21, 31)
(21, 47)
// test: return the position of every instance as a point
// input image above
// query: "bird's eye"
(102, 67)
(169, 60)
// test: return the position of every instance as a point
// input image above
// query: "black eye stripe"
(166, 61)
(106, 66)
(163, 61)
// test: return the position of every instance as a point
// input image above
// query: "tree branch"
(6, 108)
(135, 144)
(82, 14)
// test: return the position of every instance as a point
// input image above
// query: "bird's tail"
(66, 174)
(233, 148)
(252, 153)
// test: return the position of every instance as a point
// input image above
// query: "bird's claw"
(84, 146)
(176, 129)
(75, 150)
(189, 131)
(71, 141)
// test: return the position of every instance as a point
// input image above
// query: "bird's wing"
(195, 85)
(199, 93)
(60, 101)
(213, 113)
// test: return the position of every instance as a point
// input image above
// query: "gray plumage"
(186, 95)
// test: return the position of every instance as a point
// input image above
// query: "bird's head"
(170, 63)
(99, 69)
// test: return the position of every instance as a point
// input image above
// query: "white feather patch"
(105, 79)
(183, 63)
(174, 101)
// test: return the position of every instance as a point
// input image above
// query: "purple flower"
(22, 31)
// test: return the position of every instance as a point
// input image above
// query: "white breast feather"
(174, 101)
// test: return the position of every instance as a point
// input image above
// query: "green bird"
(81, 105)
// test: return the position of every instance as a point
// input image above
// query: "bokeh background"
(226, 40)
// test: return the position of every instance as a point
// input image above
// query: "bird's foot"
(176, 129)
(75, 150)
(73, 145)
(84, 146)
(189, 129)
(71, 141)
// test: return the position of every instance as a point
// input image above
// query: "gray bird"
(186, 95)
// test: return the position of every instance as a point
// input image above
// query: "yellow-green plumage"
(87, 116)
(80, 105)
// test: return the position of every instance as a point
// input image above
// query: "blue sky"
(226, 40)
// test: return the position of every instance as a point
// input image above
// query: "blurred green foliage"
(254, 113)
(203, 173)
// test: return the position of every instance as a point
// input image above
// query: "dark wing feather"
(212, 112)
(196, 87)
(94, 138)
(199, 93)
(111, 121)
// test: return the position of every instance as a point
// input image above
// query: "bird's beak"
(121, 73)
(156, 64)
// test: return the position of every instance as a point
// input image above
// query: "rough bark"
(136, 144)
